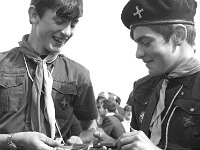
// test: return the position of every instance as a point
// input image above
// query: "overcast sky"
(101, 43)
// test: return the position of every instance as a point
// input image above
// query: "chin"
(55, 49)
(154, 73)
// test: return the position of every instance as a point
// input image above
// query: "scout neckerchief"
(187, 67)
(42, 78)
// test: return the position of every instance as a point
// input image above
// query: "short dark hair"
(114, 97)
(166, 30)
(127, 108)
(69, 9)
(110, 105)
(118, 100)
(99, 100)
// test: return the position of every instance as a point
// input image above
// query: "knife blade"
(86, 146)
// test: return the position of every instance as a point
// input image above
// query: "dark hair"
(167, 30)
(99, 100)
(110, 105)
(118, 100)
(127, 108)
(114, 97)
(68, 9)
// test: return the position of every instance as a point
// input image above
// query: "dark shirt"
(120, 117)
(72, 92)
(112, 126)
(121, 111)
(183, 131)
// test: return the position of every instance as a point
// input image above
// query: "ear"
(33, 17)
(179, 34)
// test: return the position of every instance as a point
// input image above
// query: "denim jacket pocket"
(191, 106)
(63, 94)
(186, 122)
(11, 91)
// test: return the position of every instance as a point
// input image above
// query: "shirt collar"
(110, 114)
(185, 81)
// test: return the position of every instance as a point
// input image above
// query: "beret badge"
(157, 12)
(138, 12)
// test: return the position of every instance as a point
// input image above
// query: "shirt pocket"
(63, 94)
(11, 91)
(185, 122)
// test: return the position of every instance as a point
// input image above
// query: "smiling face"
(50, 33)
(158, 55)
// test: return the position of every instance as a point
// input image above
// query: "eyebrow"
(141, 38)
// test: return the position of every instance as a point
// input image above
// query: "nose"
(139, 52)
(67, 30)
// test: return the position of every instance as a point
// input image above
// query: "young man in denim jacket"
(166, 103)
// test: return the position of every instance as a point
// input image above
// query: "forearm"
(90, 133)
(88, 129)
(4, 141)
(87, 135)
(105, 137)
(29, 141)
(15, 139)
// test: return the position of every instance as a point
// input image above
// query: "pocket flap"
(10, 81)
(142, 97)
(192, 106)
(65, 88)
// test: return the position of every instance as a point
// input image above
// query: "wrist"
(10, 142)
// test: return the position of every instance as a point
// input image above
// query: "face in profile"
(156, 53)
(101, 110)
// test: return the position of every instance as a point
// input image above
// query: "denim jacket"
(72, 92)
(183, 119)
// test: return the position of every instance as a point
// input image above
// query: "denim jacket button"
(191, 109)
(182, 93)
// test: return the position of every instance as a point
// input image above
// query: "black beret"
(147, 12)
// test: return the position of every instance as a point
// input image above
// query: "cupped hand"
(136, 140)
(74, 140)
(34, 141)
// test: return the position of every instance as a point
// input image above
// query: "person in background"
(127, 117)
(111, 125)
(120, 111)
(108, 95)
(41, 89)
(165, 103)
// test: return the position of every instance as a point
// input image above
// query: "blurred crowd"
(112, 117)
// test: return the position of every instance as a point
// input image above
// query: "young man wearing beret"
(166, 103)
